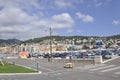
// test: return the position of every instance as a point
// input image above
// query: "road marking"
(111, 59)
(102, 67)
(40, 67)
(115, 76)
(46, 68)
(57, 74)
(111, 69)
(117, 73)
(90, 72)
(94, 66)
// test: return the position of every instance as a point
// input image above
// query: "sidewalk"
(21, 73)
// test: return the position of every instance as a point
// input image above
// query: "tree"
(85, 47)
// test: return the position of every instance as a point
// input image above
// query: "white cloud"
(13, 16)
(23, 4)
(62, 3)
(85, 18)
(16, 23)
(63, 20)
(67, 4)
(21, 18)
(99, 3)
(116, 22)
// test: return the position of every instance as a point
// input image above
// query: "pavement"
(43, 65)
(55, 71)
(114, 57)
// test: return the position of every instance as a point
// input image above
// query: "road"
(114, 62)
(55, 71)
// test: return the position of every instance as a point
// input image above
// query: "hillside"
(114, 37)
(58, 38)
(9, 42)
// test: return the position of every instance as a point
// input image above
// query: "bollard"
(83, 62)
(94, 60)
(37, 66)
(13, 70)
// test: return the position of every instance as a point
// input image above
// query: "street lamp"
(50, 55)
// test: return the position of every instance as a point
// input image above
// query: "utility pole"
(50, 55)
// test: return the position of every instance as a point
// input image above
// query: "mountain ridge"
(4, 42)
(36, 40)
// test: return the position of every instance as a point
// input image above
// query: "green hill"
(59, 38)
(9, 42)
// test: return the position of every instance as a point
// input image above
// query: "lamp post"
(50, 55)
(32, 48)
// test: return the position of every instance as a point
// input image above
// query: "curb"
(23, 66)
(111, 59)
(39, 72)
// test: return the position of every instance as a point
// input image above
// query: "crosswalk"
(102, 68)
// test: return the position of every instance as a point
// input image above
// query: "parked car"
(84, 55)
(106, 54)
(90, 53)
(57, 55)
(47, 55)
(37, 55)
(116, 52)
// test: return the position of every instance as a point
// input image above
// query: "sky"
(27, 19)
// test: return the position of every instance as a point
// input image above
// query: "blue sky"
(26, 19)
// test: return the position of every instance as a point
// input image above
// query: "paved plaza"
(55, 70)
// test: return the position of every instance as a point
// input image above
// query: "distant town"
(59, 43)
